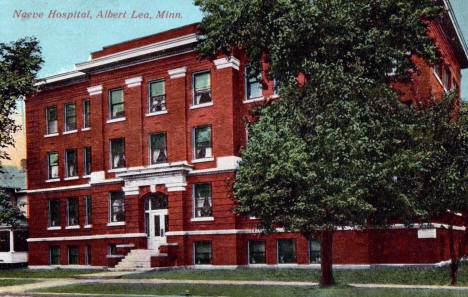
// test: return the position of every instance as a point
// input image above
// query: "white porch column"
(12, 243)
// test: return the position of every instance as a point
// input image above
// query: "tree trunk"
(326, 244)
(453, 258)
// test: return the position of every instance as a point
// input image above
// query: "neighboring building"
(13, 245)
(130, 154)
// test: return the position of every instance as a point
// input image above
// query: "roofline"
(456, 26)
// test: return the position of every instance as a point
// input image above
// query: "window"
(53, 212)
(253, 84)
(117, 153)
(116, 207)
(438, 71)
(201, 88)
(275, 87)
(51, 119)
(158, 152)
(72, 255)
(88, 255)
(52, 165)
(116, 105)
(70, 162)
(87, 160)
(447, 77)
(202, 252)
(72, 211)
(69, 116)
(314, 250)
(86, 113)
(256, 250)
(87, 210)
(202, 142)
(112, 249)
(54, 255)
(286, 249)
(202, 200)
(157, 98)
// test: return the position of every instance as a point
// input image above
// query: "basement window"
(286, 250)
(314, 250)
(54, 255)
(256, 251)
(157, 97)
(72, 255)
(201, 87)
(201, 252)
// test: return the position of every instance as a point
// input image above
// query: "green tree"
(340, 151)
(19, 63)
(10, 215)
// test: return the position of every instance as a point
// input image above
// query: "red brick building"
(129, 156)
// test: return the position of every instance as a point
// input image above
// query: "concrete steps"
(137, 259)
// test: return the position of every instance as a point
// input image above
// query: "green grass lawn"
(409, 276)
(44, 273)
(245, 291)
(13, 282)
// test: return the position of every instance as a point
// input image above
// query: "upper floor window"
(202, 142)
(117, 153)
(69, 116)
(158, 147)
(86, 113)
(87, 210)
(157, 97)
(87, 160)
(53, 212)
(52, 165)
(201, 87)
(116, 207)
(447, 77)
(202, 200)
(51, 119)
(72, 211)
(70, 163)
(116, 104)
(253, 84)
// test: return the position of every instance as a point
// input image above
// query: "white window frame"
(110, 212)
(149, 96)
(209, 155)
(193, 88)
(194, 202)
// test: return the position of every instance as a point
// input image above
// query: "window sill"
(116, 224)
(150, 114)
(86, 176)
(253, 218)
(88, 226)
(73, 227)
(201, 105)
(115, 120)
(256, 99)
(203, 160)
(274, 96)
(157, 165)
(52, 180)
(202, 219)
(117, 170)
(51, 135)
(86, 129)
(54, 228)
(114, 256)
(71, 178)
(70, 132)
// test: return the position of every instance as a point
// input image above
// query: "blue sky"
(66, 42)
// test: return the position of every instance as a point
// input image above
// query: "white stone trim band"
(133, 82)
(87, 237)
(227, 62)
(95, 90)
(177, 72)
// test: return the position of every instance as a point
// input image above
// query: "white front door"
(158, 222)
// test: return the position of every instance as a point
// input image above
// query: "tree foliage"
(10, 215)
(19, 63)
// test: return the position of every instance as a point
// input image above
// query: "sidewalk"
(110, 278)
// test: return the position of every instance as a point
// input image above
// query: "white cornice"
(137, 52)
(59, 77)
(454, 21)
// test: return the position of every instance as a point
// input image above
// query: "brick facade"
(131, 66)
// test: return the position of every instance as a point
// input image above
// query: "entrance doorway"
(156, 219)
